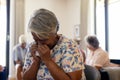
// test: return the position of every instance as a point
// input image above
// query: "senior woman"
(51, 56)
(97, 57)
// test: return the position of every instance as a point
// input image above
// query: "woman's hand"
(33, 50)
(44, 52)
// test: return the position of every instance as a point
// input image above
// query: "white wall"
(19, 19)
(87, 20)
(67, 12)
(73, 17)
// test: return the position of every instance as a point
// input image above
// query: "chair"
(3, 74)
(114, 72)
(92, 73)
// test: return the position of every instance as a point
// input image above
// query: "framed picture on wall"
(77, 31)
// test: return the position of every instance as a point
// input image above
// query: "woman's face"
(89, 46)
(49, 42)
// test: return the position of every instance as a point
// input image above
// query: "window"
(100, 23)
(114, 28)
(108, 26)
(3, 32)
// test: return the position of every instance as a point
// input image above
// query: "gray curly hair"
(92, 40)
(43, 22)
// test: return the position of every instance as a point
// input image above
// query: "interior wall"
(87, 20)
(19, 19)
(67, 12)
(73, 17)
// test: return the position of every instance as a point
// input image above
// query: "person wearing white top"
(97, 57)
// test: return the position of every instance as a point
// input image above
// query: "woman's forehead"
(38, 36)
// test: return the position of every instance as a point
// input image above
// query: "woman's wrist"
(48, 61)
(35, 63)
(37, 60)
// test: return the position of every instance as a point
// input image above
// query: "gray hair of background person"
(43, 22)
(22, 39)
(92, 40)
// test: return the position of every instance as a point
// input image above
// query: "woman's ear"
(57, 28)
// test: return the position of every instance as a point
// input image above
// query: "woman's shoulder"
(102, 52)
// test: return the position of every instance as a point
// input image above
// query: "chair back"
(92, 73)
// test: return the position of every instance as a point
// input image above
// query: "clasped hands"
(43, 52)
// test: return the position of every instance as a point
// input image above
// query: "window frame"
(106, 12)
(7, 37)
(106, 22)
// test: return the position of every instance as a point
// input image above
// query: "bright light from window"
(2, 33)
(114, 30)
(100, 24)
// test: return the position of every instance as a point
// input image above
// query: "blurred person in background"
(19, 52)
(98, 57)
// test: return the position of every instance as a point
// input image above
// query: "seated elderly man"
(19, 52)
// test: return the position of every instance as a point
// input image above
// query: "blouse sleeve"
(101, 60)
(28, 60)
(72, 59)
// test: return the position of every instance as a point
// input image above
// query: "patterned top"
(65, 54)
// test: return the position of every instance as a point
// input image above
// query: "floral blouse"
(65, 54)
